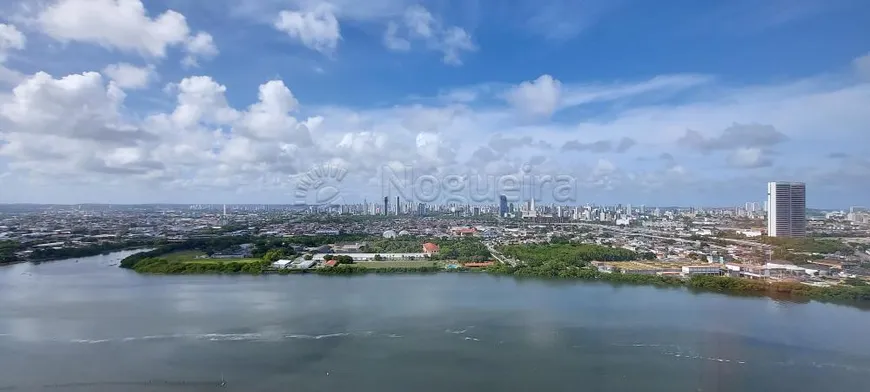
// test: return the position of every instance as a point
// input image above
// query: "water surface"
(88, 325)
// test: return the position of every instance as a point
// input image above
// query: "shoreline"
(784, 291)
(52, 260)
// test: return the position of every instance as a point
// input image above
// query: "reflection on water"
(92, 326)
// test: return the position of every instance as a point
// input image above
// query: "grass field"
(184, 255)
(190, 256)
(399, 264)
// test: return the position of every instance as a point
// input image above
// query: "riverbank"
(858, 296)
(152, 263)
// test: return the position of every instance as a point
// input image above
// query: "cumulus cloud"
(538, 98)
(72, 124)
(10, 39)
(317, 29)
(419, 25)
(197, 46)
(128, 76)
(78, 127)
(123, 25)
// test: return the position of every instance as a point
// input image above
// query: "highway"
(500, 257)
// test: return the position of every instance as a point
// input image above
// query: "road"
(500, 257)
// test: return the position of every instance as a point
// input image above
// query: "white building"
(701, 270)
(281, 263)
(786, 209)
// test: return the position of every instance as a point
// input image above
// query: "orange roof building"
(430, 248)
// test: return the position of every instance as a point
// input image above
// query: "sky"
(672, 102)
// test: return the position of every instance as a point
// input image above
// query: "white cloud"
(121, 24)
(539, 98)
(128, 76)
(202, 100)
(455, 41)
(419, 21)
(10, 38)
(71, 125)
(124, 25)
(76, 127)
(418, 24)
(317, 28)
(749, 158)
(200, 45)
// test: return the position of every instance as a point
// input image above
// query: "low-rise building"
(689, 270)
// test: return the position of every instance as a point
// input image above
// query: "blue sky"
(657, 103)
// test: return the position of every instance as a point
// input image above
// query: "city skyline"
(97, 104)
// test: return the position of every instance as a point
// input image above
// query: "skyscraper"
(502, 206)
(386, 204)
(786, 209)
(398, 206)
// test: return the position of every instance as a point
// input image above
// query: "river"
(87, 325)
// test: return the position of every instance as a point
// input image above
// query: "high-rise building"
(502, 206)
(398, 206)
(386, 204)
(786, 209)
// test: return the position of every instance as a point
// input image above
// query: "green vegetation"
(839, 293)
(393, 245)
(7, 251)
(275, 254)
(164, 266)
(808, 245)
(450, 249)
(399, 264)
(562, 270)
(466, 249)
(576, 255)
(340, 259)
(346, 269)
(183, 255)
(204, 246)
(562, 261)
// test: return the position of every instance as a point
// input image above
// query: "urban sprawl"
(777, 240)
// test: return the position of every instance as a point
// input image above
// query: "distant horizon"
(634, 206)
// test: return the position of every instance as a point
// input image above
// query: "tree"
(274, 255)
(378, 257)
(308, 257)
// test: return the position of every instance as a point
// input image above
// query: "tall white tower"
(786, 209)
